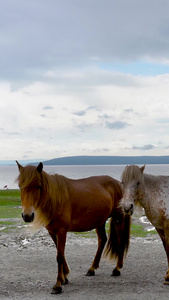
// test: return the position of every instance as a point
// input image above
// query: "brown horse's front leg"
(65, 265)
(61, 241)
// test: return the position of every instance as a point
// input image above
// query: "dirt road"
(28, 269)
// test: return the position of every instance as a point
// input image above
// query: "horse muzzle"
(128, 209)
(28, 218)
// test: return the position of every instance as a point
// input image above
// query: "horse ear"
(40, 167)
(142, 168)
(19, 166)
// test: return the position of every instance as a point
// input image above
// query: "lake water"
(8, 174)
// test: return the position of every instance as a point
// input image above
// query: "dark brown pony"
(61, 205)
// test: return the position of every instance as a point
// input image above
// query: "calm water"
(8, 174)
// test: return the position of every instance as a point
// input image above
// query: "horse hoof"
(166, 282)
(90, 273)
(66, 281)
(115, 273)
(57, 290)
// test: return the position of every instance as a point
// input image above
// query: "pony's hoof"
(66, 281)
(90, 273)
(56, 290)
(115, 273)
(166, 282)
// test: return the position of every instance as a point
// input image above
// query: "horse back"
(99, 190)
(103, 185)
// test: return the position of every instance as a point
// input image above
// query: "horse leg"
(166, 247)
(102, 238)
(161, 234)
(65, 265)
(61, 241)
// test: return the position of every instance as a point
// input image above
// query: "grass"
(6, 222)
(10, 204)
(10, 198)
(87, 234)
(9, 212)
(136, 231)
(10, 208)
(139, 231)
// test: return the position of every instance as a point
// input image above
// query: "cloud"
(75, 33)
(106, 124)
(163, 120)
(144, 147)
(13, 133)
(80, 113)
(116, 125)
(112, 122)
(48, 107)
(84, 126)
(83, 112)
(80, 77)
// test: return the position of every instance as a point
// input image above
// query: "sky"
(83, 78)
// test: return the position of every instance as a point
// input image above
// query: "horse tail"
(119, 238)
(127, 227)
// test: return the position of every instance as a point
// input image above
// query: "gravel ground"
(28, 269)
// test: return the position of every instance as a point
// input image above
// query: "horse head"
(132, 182)
(29, 181)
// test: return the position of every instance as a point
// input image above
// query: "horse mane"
(131, 173)
(28, 176)
(54, 192)
(135, 174)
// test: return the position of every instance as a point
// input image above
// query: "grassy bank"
(10, 208)
(10, 204)
(137, 230)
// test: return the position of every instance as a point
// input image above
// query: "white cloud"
(47, 122)
(66, 82)
(37, 36)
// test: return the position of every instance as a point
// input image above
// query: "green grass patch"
(139, 231)
(10, 203)
(10, 212)
(10, 198)
(136, 231)
(87, 234)
(6, 223)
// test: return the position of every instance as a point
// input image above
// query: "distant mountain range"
(94, 160)
(107, 160)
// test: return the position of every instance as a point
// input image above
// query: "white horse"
(152, 193)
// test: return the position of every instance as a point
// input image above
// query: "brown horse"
(152, 193)
(61, 205)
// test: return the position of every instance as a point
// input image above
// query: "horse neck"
(54, 190)
(149, 186)
(140, 198)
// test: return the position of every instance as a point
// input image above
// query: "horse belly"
(91, 205)
(88, 219)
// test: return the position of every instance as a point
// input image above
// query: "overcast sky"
(84, 78)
